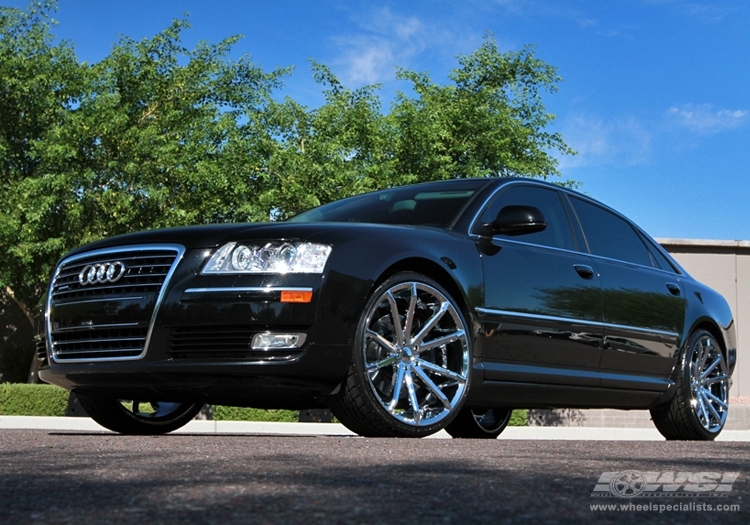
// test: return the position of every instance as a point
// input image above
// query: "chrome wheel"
(416, 354)
(709, 384)
(698, 409)
(409, 373)
(151, 410)
(491, 419)
(479, 423)
(138, 417)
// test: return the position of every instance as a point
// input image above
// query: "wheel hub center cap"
(407, 355)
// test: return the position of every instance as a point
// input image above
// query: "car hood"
(213, 235)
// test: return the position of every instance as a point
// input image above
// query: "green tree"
(490, 121)
(157, 135)
(341, 148)
(38, 88)
(154, 135)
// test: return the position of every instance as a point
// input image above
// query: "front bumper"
(197, 332)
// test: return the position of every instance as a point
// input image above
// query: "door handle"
(673, 289)
(587, 272)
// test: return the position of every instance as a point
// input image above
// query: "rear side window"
(557, 234)
(609, 235)
(661, 261)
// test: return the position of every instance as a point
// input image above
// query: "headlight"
(272, 257)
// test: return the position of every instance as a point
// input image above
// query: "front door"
(543, 311)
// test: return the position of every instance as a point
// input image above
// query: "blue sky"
(656, 96)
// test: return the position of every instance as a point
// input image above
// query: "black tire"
(479, 423)
(698, 410)
(127, 417)
(409, 373)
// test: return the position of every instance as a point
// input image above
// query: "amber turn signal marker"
(291, 296)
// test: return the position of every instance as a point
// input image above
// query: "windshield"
(437, 204)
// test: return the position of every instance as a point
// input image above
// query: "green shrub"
(225, 413)
(518, 418)
(20, 399)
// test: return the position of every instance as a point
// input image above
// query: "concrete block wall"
(725, 267)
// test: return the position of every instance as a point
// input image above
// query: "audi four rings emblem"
(108, 272)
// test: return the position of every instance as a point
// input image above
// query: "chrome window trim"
(568, 193)
(506, 239)
(568, 320)
(632, 264)
(180, 251)
(503, 186)
(534, 245)
(639, 231)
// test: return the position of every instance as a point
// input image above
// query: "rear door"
(644, 304)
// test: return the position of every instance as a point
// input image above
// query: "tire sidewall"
(465, 425)
(111, 414)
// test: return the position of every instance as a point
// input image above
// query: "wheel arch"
(715, 330)
(434, 271)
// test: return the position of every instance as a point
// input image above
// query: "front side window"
(608, 235)
(557, 234)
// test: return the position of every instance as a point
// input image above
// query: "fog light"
(271, 341)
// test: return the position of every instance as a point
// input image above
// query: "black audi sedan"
(441, 305)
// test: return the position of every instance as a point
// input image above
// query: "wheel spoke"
(715, 379)
(440, 341)
(703, 411)
(430, 324)
(710, 368)
(432, 387)
(372, 367)
(396, 389)
(382, 341)
(409, 382)
(432, 367)
(411, 311)
(396, 318)
(707, 396)
(710, 397)
(704, 352)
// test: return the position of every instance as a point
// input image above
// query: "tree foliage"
(489, 122)
(158, 135)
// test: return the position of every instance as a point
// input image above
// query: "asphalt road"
(101, 478)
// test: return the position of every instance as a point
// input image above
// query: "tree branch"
(29, 315)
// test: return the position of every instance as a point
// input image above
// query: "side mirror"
(516, 220)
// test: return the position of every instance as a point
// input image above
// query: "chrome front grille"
(41, 347)
(144, 273)
(108, 318)
(100, 343)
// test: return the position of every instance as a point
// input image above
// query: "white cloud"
(601, 141)
(637, 139)
(386, 40)
(703, 118)
(709, 12)
(366, 61)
